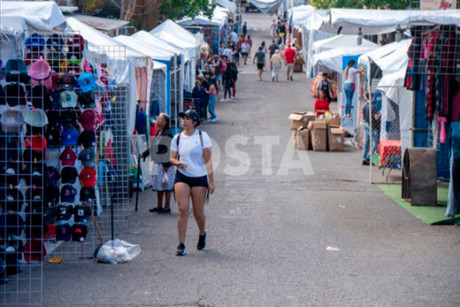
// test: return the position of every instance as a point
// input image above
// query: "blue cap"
(86, 82)
(69, 137)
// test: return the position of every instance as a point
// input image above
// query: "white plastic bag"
(117, 251)
(165, 181)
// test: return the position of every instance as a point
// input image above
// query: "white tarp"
(268, 7)
(388, 58)
(220, 15)
(120, 59)
(300, 14)
(175, 35)
(341, 41)
(385, 21)
(332, 59)
(159, 45)
(41, 16)
(228, 5)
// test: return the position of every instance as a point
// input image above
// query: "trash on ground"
(117, 251)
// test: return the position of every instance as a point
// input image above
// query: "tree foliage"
(359, 4)
(177, 9)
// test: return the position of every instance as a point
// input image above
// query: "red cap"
(36, 142)
(68, 157)
(34, 250)
(88, 177)
(51, 233)
(87, 119)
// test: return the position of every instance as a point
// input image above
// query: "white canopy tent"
(220, 15)
(227, 4)
(300, 14)
(385, 21)
(41, 16)
(340, 41)
(173, 34)
(268, 7)
(121, 60)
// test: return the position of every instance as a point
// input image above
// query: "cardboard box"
(318, 135)
(298, 119)
(336, 139)
(302, 139)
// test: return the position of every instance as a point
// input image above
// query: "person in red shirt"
(321, 103)
(289, 56)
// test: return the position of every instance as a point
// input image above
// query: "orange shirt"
(321, 106)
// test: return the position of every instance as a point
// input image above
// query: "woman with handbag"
(191, 153)
(163, 173)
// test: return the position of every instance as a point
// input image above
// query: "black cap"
(192, 115)
(69, 174)
(87, 194)
(87, 138)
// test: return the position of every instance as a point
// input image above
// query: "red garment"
(321, 106)
(289, 54)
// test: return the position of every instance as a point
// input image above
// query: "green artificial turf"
(433, 215)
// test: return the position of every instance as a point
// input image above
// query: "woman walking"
(213, 93)
(163, 173)
(191, 153)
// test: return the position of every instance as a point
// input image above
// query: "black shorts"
(260, 66)
(191, 181)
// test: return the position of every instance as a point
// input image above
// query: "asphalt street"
(284, 228)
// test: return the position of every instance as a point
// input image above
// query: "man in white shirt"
(229, 54)
(234, 37)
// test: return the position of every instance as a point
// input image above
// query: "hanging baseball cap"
(2, 95)
(52, 157)
(10, 148)
(192, 115)
(34, 250)
(53, 137)
(68, 99)
(87, 138)
(79, 232)
(15, 94)
(40, 97)
(69, 118)
(35, 42)
(87, 157)
(67, 81)
(36, 118)
(12, 121)
(81, 213)
(56, 42)
(51, 233)
(69, 137)
(73, 68)
(68, 157)
(52, 193)
(87, 194)
(64, 212)
(69, 174)
(88, 177)
(63, 232)
(52, 175)
(87, 100)
(54, 119)
(36, 142)
(11, 223)
(87, 119)
(76, 43)
(86, 81)
(16, 70)
(68, 194)
(40, 70)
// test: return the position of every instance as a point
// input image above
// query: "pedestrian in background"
(245, 29)
(213, 93)
(191, 154)
(289, 58)
(163, 173)
(321, 103)
(245, 47)
(260, 58)
(276, 63)
(350, 85)
(273, 29)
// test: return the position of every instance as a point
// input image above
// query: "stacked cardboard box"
(320, 134)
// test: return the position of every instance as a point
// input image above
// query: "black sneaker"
(201, 242)
(181, 251)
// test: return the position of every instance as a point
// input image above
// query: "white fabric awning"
(268, 7)
(341, 41)
(141, 46)
(385, 21)
(41, 16)
(300, 14)
(227, 4)
(175, 35)
(332, 59)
